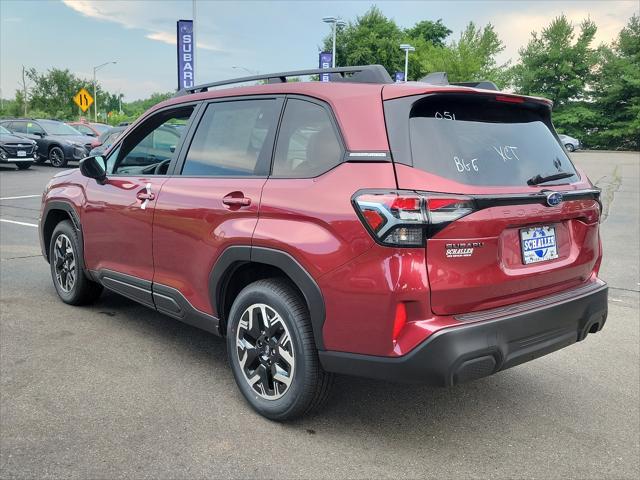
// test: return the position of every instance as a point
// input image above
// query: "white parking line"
(18, 198)
(19, 223)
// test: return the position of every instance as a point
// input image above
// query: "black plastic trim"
(474, 350)
(171, 302)
(166, 300)
(234, 257)
(75, 220)
(134, 288)
(362, 74)
(488, 201)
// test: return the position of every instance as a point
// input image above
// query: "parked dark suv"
(17, 150)
(421, 231)
(57, 142)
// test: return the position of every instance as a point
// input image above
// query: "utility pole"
(95, 93)
(24, 92)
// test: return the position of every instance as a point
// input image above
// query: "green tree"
(370, 39)
(52, 93)
(555, 66)
(616, 92)
(375, 39)
(431, 32)
(472, 57)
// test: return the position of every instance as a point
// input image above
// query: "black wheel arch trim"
(75, 220)
(234, 257)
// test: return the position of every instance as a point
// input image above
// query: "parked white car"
(570, 143)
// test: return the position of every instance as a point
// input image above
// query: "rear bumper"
(502, 339)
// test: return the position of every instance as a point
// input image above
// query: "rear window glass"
(478, 140)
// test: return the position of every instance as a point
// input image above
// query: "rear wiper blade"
(538, 179)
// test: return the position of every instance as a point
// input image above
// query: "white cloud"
(151, 17)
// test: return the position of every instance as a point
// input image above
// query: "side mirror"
(39, 134)
(93, 167)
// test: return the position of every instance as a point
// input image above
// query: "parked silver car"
(570, 143)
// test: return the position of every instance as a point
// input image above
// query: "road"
(115, 390)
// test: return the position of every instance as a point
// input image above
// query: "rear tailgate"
(517, 243)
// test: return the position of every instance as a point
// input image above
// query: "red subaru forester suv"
(423, 231)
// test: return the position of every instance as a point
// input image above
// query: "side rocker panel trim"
(171, 302)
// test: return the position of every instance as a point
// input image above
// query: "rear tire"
(275, 363)
(23, 165)
(56, 157)
(67, 267)
(570, 147)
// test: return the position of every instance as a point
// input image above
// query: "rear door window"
(479, 140)
(233, 139)
(308, 144)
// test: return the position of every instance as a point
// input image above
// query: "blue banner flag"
(186, 64)
(326, 59)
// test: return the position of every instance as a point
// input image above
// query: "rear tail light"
(405, 218)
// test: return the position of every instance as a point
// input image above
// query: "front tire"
(56, 157)
(272, 351)
(570, 147)
(67, 272)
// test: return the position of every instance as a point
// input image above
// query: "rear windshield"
(479, 140)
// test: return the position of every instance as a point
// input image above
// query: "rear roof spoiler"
(441, 78)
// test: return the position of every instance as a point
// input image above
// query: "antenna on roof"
(436, 78)
(441, 78)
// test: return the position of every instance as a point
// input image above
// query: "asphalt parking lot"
(116, 390)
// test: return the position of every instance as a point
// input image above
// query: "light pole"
(335, 22)
(95, 93)
(407, 48)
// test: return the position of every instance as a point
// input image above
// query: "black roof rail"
(360, 74)
(441, 78)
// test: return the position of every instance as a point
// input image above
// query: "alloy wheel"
(56, 156)
(64, 263)
(265, 351)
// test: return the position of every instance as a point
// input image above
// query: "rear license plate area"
(538, 244)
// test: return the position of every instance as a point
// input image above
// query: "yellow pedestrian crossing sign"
(83, 99)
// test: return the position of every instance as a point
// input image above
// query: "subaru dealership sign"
(326, 59)
(185, 54)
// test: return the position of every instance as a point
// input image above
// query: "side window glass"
(33, 128)
(84, 129)
(232, 139)
(19, 127)
(307, 143)
(149, 148)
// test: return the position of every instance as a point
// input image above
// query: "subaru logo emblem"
(554, 199)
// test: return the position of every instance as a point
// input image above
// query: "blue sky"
(258, 35)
